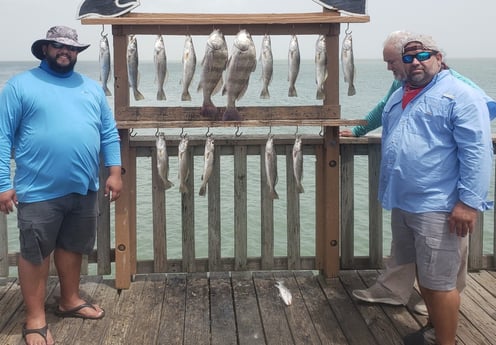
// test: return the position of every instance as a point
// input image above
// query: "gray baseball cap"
(60, 34)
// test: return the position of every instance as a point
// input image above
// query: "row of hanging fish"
(237, 68)
(271, 166)
(183, 164)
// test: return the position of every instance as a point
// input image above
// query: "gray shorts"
(68, 222)
(425, 239)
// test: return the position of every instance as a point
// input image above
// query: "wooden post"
(330, 200)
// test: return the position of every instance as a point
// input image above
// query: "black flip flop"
(74, 312)
(43, 331)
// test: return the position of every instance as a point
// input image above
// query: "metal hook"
(182, 134)
(321, 133)
(208, 134)
(156, 133)
(103, 31)
(296, 132)
(132, 133)
(238, 133)
(270, 131)
(348, 31)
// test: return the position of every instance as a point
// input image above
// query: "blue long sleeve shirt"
(438, 150)
(58, 125)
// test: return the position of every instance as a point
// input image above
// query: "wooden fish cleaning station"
(327, 116)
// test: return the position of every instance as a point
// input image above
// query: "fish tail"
(273, 194)
(106, 90)
(161, 95)
(168, 184)
(265, 93)
(185, 96)
(231, 114)
(299, 188)
(351, 90)
(138, 95)
(183, 188)
(320, 94)
(209, 110)
(292, 91)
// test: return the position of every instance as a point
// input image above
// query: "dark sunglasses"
(422, 56)
(58, 45)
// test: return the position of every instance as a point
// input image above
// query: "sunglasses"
(422, 56)
(58, 45)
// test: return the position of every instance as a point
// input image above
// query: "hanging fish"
(213, 65)
(271, 167)
(298, 164)
(267, 62)
(242, 62)
(160, 63)
(104, 60)
(320, 65)
(132, 67)
(189, 66)
(284, 293)
(348, 63)
(183, 157)
(293, 65)
(208, 165)
(163, 161)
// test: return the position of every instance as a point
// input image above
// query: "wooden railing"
(233, 178)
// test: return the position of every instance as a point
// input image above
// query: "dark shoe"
(424, 336)
(75, 312)
(40, 331)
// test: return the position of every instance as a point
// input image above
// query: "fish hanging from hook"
(104, 61)
(348, 62)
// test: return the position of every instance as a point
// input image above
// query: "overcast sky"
(464, 29)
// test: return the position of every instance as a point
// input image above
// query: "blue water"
(372, 81)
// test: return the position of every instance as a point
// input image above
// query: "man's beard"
(55, 66)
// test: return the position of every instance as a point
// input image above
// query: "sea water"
(372, 82)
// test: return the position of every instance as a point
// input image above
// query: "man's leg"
(443, 313)
(33, 279)
(69, 270)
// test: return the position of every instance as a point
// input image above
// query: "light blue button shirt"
(438, 150)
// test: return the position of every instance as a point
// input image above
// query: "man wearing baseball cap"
(57, 123)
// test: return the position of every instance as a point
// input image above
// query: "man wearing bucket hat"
(57, 123)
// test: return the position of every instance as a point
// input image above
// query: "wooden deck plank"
(146, 315)
(351, 322)
(171, 329)
(299, 320)
(249, 323)
(223, 324)
(197, 319)
(276, 328)
(324, 321)
(123, 313)
(94, 332)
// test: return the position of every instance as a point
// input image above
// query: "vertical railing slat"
(347, 206)
(188, 218)
(292, 214)
(214, 216)
(375, 209)
(267, 217)
(103, 235)
(159, 218)
(240, 209)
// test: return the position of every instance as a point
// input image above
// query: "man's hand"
(462, 219)
(7, 201)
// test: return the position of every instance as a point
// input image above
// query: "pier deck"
(244, 308)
